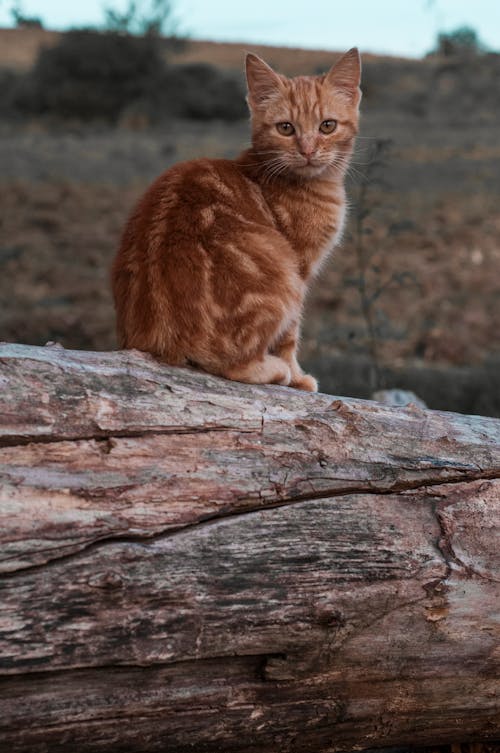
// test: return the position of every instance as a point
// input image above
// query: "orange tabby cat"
(216, 259)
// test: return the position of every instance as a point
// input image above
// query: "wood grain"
(188, 563)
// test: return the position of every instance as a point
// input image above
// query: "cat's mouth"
(310, 167)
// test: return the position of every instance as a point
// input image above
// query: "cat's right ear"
(263, 83)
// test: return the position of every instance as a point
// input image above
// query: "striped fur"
(216, 259)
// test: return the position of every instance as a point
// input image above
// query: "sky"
(398, 27)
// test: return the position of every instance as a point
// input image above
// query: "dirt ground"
(430, 264)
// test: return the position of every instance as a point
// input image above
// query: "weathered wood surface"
(188, 564)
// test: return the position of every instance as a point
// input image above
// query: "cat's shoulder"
(198, 169)
(203, 172)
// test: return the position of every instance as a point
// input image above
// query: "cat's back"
(197, 213)
(191, 198)
(201, 243)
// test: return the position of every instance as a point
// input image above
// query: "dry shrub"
(202, 92)
(91, 75)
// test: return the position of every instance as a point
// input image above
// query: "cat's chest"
(312, 223)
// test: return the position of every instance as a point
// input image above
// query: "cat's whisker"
(352, 171)
(344, 164)
(356, 176)
(261, 163)
(339, 162)
(278, 170)
(359, 162)
(274, 170)
(273, 165)
(272, 161)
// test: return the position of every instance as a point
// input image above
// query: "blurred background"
(97, 100)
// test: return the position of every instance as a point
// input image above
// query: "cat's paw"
(268, 370)
(305, 382)
(281, 373)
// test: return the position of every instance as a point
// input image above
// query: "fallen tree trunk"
(194, 564)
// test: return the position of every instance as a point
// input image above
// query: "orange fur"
(216, 259)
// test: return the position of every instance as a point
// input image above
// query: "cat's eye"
(285, 129)
(328, 126)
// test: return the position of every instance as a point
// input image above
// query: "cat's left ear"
(345, 75)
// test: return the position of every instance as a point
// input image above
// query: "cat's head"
(304, 125)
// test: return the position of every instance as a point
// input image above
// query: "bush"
(93, 75)
(155, 17)
(463, 41)
(202, 92)
(21, 20)
(10, 85)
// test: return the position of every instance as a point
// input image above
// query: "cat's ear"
(263, 83)
(345, 75)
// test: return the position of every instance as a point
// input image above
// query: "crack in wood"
(20, 441)
(213, 518)
(444, 545)
(257, 660)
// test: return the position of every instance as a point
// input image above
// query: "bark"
(192, 564)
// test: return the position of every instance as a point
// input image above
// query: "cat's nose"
(306, 148)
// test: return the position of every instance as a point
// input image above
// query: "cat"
(216, 259)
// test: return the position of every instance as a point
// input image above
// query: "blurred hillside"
(19, 49)
(411, 298)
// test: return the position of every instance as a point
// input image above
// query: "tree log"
(192, 564)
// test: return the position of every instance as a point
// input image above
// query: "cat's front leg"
(286, 348)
